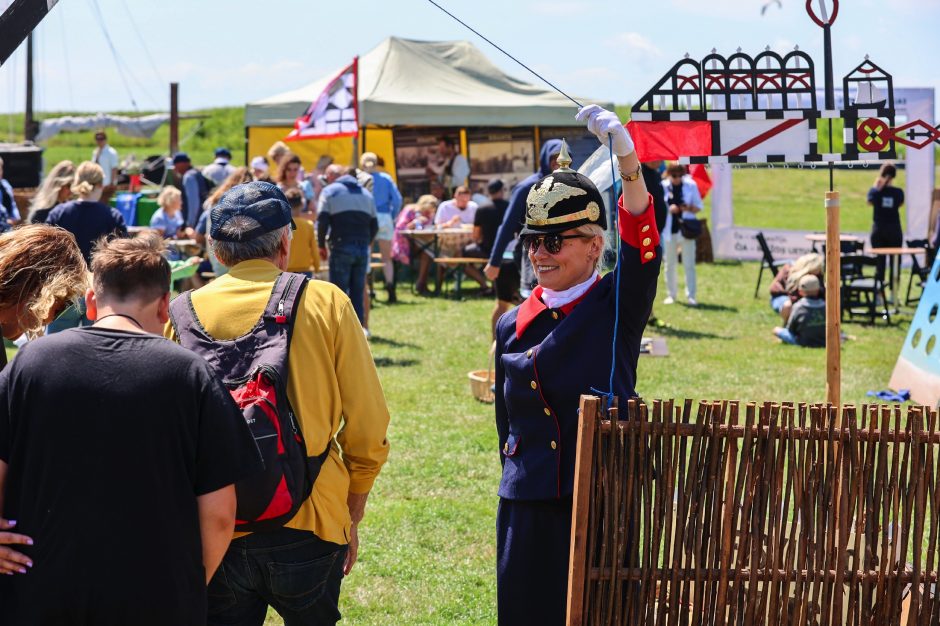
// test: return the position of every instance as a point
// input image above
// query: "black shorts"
(507, 283)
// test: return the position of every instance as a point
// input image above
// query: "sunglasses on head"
(553, 242)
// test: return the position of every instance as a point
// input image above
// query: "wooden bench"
(456, 264)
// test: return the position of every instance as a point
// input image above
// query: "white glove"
(602, 122)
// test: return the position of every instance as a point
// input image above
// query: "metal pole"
(833, 302)
(174, 118)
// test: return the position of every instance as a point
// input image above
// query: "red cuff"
(640, 230)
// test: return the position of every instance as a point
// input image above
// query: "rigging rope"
(117, 61)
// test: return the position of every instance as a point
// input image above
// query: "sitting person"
(807, 323)
(783, 290)
(304, 254)
(168, 219)
(417, 216)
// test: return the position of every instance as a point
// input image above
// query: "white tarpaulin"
(140, 127)
(403, 82)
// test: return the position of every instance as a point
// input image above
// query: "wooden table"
(894, 258)
(815, 238)
(431, 240)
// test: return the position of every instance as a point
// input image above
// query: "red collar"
(533, 306)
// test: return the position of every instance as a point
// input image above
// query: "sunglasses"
(553, 242)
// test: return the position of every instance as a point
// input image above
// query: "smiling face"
(573, 264)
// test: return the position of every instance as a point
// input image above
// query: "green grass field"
(427, 552)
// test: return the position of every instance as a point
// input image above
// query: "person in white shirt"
(683, 201)
(220, 169)
(107, 158)
(460, 210)
(452, 169)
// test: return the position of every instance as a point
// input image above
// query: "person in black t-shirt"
(118, 454)
(486, 223)
(87, 218)
(886, 201)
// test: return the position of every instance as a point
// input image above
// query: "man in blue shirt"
(346, 214)
(193, 185)
(387, 205)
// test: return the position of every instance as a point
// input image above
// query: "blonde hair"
(88, 176)
(48, 194)
(811, 263)
(168, 196)
(41, 268)
(593, 230)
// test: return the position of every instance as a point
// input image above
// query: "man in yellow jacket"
(334, 389)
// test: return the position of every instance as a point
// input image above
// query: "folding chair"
(862, 291)
(919, 272)
(767, 262)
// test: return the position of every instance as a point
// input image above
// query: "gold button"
(648, 256)
(547, 411)
(555, 315)
(528, 353)
(554, 445)
(533, 385)
(645, 229)
(647, 241)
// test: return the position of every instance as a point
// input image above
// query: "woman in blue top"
(555, 347)
(168, 219)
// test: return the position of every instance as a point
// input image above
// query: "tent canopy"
(404, 82)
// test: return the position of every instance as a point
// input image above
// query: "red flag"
(335, 112)
(671, 140)
(702, 180)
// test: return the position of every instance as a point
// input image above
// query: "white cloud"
(634, 44)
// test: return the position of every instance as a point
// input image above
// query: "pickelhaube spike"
(564, 159)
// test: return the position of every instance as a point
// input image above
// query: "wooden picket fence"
(756, 514)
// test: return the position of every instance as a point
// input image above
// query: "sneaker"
(669, 300)
(692, 301)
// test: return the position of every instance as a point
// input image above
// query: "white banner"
(734, 242)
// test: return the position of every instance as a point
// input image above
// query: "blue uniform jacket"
(546, 358)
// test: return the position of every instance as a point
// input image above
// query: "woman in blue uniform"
(556, 346)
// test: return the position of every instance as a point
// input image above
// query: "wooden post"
(577, 557)
(174, 118)
(29, 127)
(833, 302)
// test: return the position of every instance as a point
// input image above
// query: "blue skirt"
(533, 539)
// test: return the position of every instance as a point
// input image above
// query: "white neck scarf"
(555, 299)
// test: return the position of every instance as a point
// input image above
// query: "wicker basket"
(481, 381)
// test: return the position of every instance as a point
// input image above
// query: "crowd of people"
(260, 426)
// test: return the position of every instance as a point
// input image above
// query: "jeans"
(786, 336)
(688, 264)
(293, 571)
(349, 265)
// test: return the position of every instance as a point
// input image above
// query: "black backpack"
(254, 369)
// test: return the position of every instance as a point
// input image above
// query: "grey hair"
(594, 230)
(231, 253)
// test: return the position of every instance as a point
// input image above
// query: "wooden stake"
(833, 302)
(174, 118)
(577, 558)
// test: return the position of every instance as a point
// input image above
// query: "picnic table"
(438, 241)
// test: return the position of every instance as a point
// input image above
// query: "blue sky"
(235, 51)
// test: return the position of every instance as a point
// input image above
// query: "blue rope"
(609, 395)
